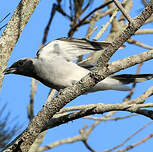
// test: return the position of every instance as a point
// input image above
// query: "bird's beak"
(9, 70)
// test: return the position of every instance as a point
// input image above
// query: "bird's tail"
(117, 82)
(131, 78)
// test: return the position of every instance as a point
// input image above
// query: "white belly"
(59, 73)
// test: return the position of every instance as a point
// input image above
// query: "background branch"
(13, 30)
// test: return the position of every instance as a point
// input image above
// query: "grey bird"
(54, 66)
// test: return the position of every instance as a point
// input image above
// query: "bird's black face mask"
(21, 67)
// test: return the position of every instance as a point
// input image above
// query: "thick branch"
(99, 109)
(13, 30)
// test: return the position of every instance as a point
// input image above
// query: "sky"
(16, 89)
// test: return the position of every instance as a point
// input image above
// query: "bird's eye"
(20, 63)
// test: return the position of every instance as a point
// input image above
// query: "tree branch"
(13, 31)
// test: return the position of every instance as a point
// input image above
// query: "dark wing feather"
(131, 78)
(86, 44)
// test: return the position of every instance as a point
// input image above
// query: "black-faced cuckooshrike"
(54, 66)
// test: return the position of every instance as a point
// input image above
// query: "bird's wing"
(70, 49)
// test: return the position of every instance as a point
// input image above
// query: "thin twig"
(106, 118)
(5, 17)
(60, 142)
(120, 7)
(60, 10)
(3, 20)
(85, 134)
(83, 20)
(2, 27)
(30, 108)
(132, 41)
(88, 146)
(53, 11)
(51, 95)
(104, 28)
(144, 2)
(128, 97)
(144, 31)
(136, 144)
(130, 137)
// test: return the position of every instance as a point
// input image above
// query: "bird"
(55, 66)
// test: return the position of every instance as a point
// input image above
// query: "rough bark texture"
(13, 30)
(102, 70)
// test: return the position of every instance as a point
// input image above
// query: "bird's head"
(22, 67)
